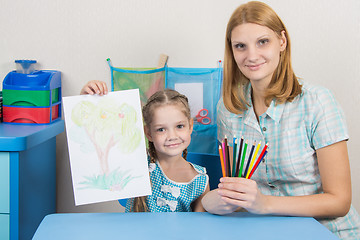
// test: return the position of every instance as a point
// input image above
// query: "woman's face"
(256, 51)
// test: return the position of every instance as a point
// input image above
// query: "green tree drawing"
(108, 124)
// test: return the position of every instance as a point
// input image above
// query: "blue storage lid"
(25, 61)
(38, 80)
(25, 66)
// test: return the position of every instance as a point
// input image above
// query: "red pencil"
(261, 157)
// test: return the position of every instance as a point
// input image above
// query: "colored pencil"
(224, 155)
(222, 161)
(234, 158)
(258, 160)
(249, 159)
(257, 164)
(227, 157)
(243, 159)
(239, 156)
(253, 159)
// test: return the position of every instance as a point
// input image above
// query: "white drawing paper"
(106, 146)
(194, 92)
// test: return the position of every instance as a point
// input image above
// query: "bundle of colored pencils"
(233, 165)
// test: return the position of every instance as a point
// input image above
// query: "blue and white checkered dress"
(170, 196)
(294, 131)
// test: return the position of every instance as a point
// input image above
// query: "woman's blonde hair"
(284, 85)
(160, 98)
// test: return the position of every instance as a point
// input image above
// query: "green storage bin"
(30, 98)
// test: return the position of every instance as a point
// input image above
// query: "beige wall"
(77, 36)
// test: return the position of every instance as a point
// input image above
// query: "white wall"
(75, 37)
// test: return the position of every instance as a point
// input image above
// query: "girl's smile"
(173, 145)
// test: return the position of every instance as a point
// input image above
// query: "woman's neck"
(258, 99)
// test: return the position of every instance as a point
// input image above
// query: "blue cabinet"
(27, 177)
(5, 195)
(4, 226)
(4, 183)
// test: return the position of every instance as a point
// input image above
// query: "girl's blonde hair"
(160, 98)
(284, 85)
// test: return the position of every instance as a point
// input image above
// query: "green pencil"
(243, 159)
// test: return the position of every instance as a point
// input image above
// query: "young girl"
(177, 185)
(306, 171)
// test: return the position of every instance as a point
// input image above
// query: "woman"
(306, 171)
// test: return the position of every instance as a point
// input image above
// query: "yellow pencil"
(253, 160)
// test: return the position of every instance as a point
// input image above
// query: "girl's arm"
(94, 87)
(197, 205)
(334, 202)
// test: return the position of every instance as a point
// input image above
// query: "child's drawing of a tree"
(108, 124)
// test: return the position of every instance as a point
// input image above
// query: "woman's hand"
(242, 193)
(94, 87)
(334, 201)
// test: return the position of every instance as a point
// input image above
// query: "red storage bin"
(30, 114)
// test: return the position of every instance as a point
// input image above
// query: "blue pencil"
(249, 159)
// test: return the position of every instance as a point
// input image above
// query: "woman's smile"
(254, 67)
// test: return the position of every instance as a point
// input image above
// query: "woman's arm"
(334, 202)
(334, 170)
(94, 87)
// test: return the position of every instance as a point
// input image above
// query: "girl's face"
(256, 51)
(170, 131)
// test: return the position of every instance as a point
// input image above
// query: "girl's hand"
(243, 193)
(94, 87)
(214, 203)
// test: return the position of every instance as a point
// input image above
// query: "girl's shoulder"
(199, 169)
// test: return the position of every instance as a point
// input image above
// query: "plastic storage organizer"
(33, 98)
(150, 80)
